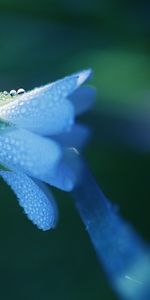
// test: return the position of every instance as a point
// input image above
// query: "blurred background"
(41, 41)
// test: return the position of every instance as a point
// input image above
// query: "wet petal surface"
(39, 208)
(35, 155)
(45, 110)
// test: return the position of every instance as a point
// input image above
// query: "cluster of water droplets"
(19, 151)
(30, 154)
(8, 96)
(43, 104)
(14, 92)
(40, 210)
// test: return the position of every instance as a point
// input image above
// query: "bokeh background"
(41, 41)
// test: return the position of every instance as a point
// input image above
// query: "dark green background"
(41, 41)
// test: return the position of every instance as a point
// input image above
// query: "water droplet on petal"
(13, 93)
(23, 110)
(20, 91)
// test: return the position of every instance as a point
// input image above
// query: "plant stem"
(125, 257)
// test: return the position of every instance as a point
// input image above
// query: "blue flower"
(36, 130)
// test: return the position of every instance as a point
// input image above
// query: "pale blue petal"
(68, 171)
(35, 155)
(45, 110)
(63, 178)
(39, 208)
(83, 99)
(77, 137)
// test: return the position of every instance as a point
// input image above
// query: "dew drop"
(5, 93)
(23, 110)
(13, 93)
(20, 91)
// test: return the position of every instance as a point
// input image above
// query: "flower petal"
(67, 173)
(77, 137)
(38, 157)
(35, 155)
(39, 208)
(83, 99)
(63, 178)
(45, 110)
